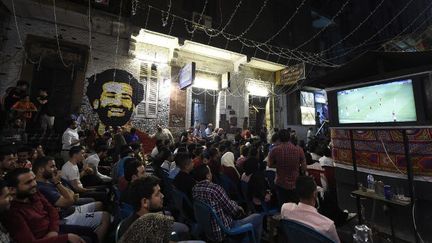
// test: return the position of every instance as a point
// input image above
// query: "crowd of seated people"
(94, 183)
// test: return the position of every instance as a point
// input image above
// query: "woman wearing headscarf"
(228, 163)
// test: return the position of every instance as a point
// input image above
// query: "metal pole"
(410, 176)
(359, 211)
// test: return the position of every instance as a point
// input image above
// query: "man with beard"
(71, 173)
(31, 217)
(50, 185)
(146, 197)
(114, 94)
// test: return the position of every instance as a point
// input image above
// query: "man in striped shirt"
(226, 209)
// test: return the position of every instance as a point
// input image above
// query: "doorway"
(203, 108)
(257, 112)
(62, 79)
(58, 82)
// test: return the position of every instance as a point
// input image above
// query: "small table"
(372, 195)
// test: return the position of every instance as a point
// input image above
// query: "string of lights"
(374, 35)
(251, 24)
(325, 27)
(171, 27)
(356, 28)
(311, 58)
(286, 23)
(228, 22)
(165, 19)
(421, 25)
(134, 6)
(195, 26)
(396, 36)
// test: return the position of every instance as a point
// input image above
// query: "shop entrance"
(203, 108)
(257, 111)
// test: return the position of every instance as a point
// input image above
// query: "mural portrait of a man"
(114, 100)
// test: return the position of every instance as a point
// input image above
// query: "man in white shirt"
(326, 160)
(70, 138)
(305, 212)
(93, 161)
(209, 131)
(71, 173)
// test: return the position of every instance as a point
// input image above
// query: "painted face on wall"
(114, 94)
(115, 104)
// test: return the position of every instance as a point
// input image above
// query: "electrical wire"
(117, 41)
(374, 35)
(57, 37)
(27, 58)
(355, 29)
(286, 23)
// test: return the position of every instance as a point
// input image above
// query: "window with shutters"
(149, 78)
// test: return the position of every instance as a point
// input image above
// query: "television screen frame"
(420, 99)
(186, 75)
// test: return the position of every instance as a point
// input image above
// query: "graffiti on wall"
(113, 94)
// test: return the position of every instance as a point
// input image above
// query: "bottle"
(363, 234)
(371, 182)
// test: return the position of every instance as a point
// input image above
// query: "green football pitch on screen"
(388, 102)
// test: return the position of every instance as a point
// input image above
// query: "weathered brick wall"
(103, 53)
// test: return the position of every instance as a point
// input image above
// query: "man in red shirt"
(288, 160)
(31, 218)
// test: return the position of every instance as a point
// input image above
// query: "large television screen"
(307, 108)
(380, 103)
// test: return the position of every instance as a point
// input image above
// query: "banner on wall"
(383, 150)
(291, 75)
(113, 94)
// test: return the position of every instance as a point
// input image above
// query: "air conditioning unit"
(205, 21)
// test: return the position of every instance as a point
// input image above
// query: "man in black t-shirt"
(45, 116)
